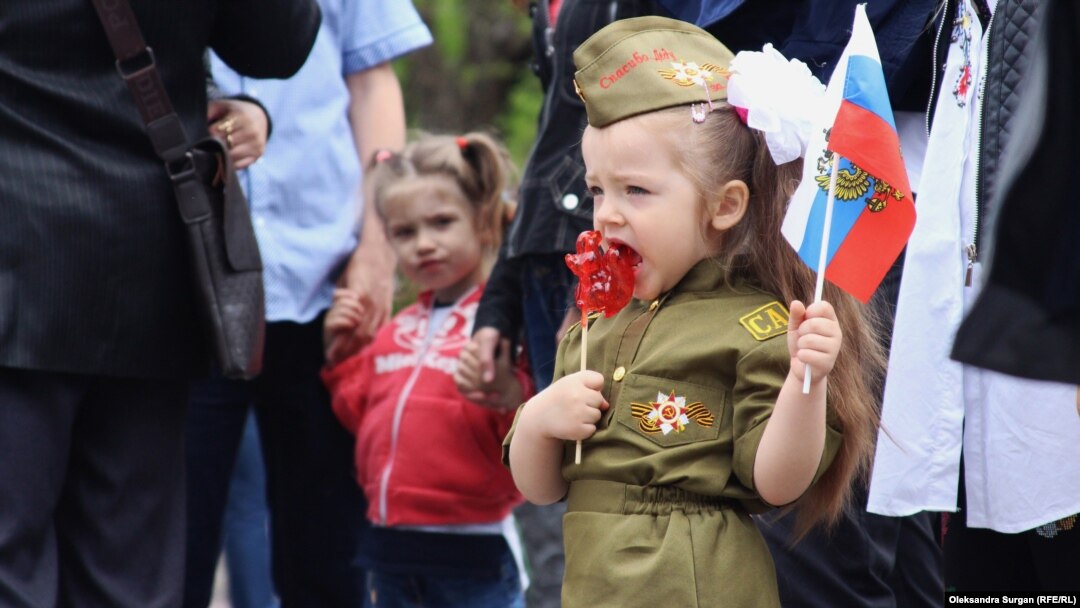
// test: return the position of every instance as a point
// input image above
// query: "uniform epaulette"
(766, 322)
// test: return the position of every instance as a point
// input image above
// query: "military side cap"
(638, 65)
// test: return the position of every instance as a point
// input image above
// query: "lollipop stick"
(584, 347)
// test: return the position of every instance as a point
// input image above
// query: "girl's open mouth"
(626, 253)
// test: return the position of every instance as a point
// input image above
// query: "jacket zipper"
(399, 410)
(934, 72)
(972, 249)
(395, 427)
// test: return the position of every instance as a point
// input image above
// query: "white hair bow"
(777, 96)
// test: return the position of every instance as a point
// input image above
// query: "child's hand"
(339, 327)
(501, 389)
(814, 339)
(570, 408)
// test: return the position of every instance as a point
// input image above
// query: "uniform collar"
(706, 275)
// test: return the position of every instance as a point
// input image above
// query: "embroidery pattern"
(689, 74)
(1054, 528)
(961, 33)
(766, 321)
(670, 413)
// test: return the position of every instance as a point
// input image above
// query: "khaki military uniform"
(658, 511)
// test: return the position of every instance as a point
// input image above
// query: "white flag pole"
(823, 254)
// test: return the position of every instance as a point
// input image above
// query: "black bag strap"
(136, 64)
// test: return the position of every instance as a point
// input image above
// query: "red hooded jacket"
(425, 455)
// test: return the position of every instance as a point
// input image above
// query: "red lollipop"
(605, 279)
(606, 283)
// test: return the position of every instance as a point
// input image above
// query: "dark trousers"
(317, 509)
(978, 559)
(868, 560)
(91, 490)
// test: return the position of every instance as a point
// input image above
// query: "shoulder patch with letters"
(766, 322)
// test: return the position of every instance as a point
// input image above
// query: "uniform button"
(619, 373)
(655, 304)
(570, 202)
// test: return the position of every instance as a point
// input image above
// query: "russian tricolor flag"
(873, 214)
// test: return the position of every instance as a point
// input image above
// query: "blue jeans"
(247, 539)
(317, 521)
(547, 286)
(390, 590)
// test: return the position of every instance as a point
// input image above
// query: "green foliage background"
(476, 75)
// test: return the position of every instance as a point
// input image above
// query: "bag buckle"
(136, 65)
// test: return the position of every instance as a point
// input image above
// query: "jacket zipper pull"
(972, 255)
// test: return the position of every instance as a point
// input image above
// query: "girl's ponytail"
(486, 179)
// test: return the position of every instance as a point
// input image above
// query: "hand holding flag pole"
(819, 287)
(852, 213)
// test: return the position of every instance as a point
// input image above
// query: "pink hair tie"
(462, 143)
(742, 112)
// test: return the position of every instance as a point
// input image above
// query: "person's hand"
(375, 290)
(483, 346)
(814, 339)
(243, 127)
(569, 408)
(340, 338)
(487, 378)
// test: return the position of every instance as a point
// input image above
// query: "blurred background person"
(315, 233)
(99, 335)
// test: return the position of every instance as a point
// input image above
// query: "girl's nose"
(424, 241)
(606, 213)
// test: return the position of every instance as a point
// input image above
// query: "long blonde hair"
(723, 149)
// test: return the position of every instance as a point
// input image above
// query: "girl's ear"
(728, 207)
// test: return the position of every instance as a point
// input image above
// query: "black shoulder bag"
(223, 251)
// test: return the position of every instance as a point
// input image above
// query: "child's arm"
(340, 325)
(567, 410)
(348, 383)
(794, 438)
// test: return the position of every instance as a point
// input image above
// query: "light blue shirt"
(304, 192)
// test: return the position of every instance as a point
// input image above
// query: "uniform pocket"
(670, 412)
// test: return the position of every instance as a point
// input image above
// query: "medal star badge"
(670, 414)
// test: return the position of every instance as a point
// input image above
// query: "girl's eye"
(443, 221)
(635, 190)
(401, 233)
(596, 191)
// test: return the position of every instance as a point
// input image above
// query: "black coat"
(93, 271)
(1026, 320)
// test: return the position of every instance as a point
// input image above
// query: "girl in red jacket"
(427, 458)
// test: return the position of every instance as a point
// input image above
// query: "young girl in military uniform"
(691, 409)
